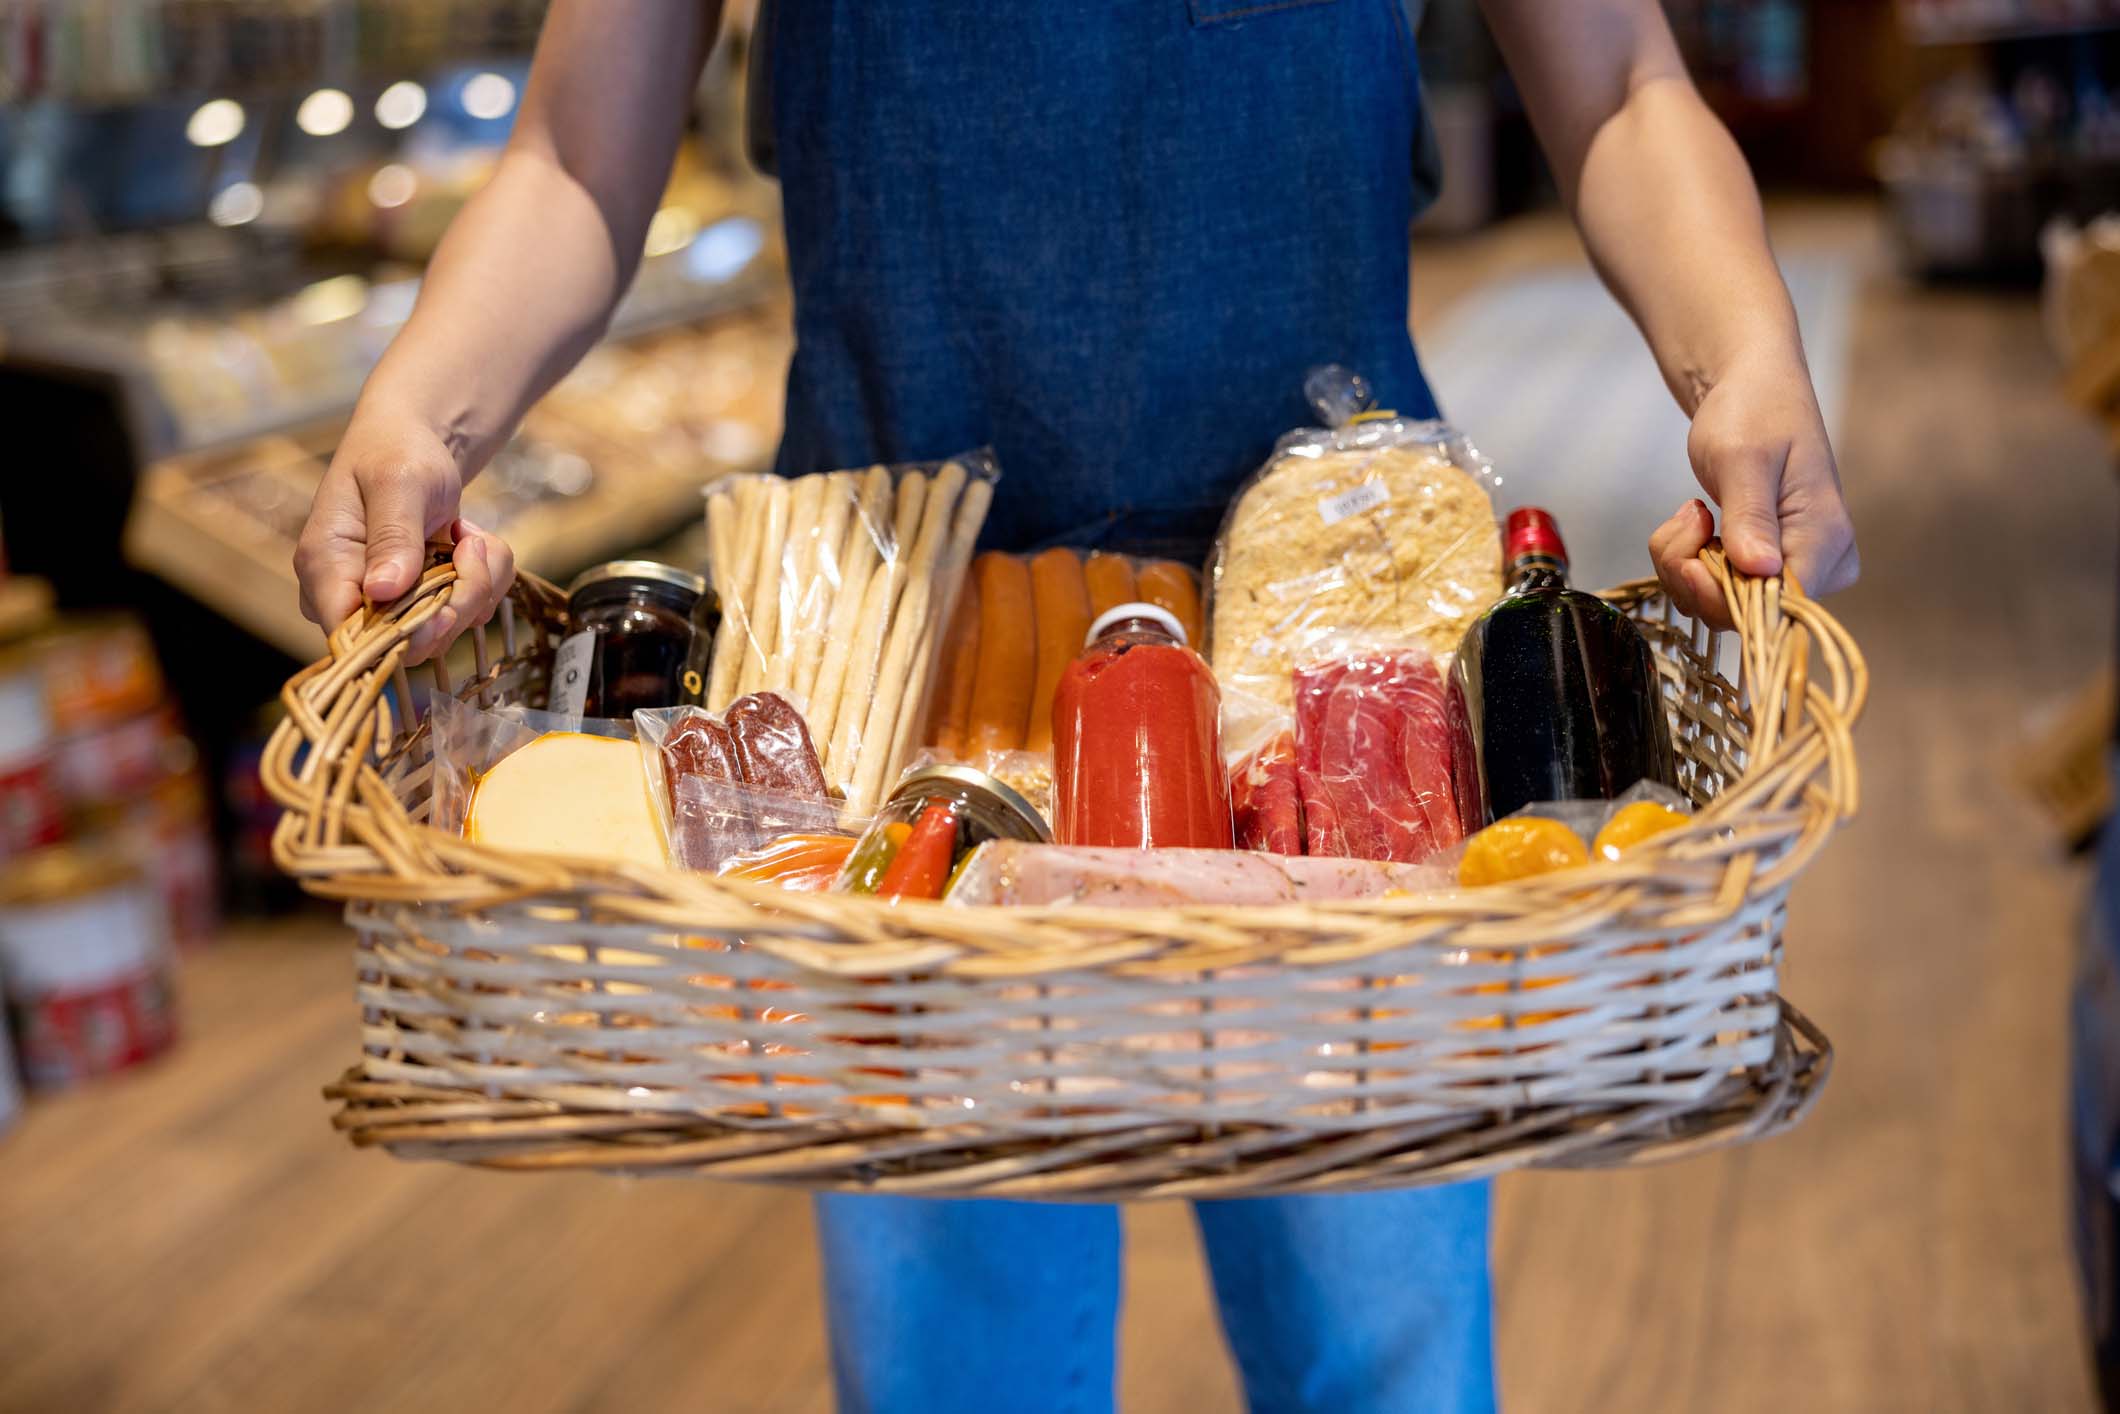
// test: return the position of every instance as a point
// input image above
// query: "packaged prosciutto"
(1374, 757)
(1265, 797)
(1014, 873)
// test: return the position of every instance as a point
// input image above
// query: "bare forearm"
(527, 277)
(1672, 220)
(522, 286)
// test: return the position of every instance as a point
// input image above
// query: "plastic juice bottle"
(1137, 739)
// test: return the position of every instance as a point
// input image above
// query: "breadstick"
(798, 566)
(949, 579)
(908, 623)
(763, 606)
(732, 581)
(858, 695)
(822, 588)
(864, 538)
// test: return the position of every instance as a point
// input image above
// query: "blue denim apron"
(1109, 239)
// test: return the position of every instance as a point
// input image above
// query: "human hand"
(392, 486)
(1758, 446)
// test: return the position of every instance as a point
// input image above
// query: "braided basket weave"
(544, 1013)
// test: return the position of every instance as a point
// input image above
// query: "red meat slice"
(1313, 690)
(1266, 800)
(1381, 743)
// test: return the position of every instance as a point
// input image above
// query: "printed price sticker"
(1366, 497)
(570, 673)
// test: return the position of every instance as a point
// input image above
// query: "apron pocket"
(1224, 12)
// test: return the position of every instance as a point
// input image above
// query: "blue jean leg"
(1357, 1303)
(947, 1305)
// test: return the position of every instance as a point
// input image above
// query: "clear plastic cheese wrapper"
(1373, 526)
(542, 782)
(1013, 873)
(836, 590)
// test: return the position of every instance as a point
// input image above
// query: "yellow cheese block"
(572, 794)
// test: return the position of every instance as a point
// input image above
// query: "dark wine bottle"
(1554, 691)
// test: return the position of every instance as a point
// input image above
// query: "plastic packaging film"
(730, 782)
(1009, 872)
(837, 590)
(1374, 527)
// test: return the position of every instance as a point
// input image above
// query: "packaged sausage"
(1014, 873)
(727, 783)
(1372, 527)
(1019, 623)
(836, 593)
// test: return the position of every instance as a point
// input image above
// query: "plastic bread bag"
(1373, 525)
(1550, 835)
(836, 590)
(542, 782)
(1010, 872)
(726, 783)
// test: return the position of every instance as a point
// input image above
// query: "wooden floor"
(195, 1238)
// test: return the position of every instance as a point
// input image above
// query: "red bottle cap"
(1531, 531)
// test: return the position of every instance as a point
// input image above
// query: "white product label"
(1366, 497)
(570, 673)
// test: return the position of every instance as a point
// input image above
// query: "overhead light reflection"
(324, 113)
(393, 185)
(215, 122)
(237, 204)
(488, 95)
(401, 105)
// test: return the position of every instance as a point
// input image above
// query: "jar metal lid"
(638, 571)
(970, 778)
(58, 873)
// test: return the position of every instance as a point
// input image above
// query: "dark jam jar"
(642, 632)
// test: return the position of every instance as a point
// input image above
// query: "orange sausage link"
(950, 716)
(1008, 655)
(1111, 582)
(1061, 596)
(1170, 585)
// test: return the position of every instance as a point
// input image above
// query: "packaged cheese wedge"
(571, 794)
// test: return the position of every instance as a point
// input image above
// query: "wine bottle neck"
(1537, 571)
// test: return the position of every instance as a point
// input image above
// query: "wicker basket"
(540, 1013)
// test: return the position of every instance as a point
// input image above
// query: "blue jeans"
(1354, 1304)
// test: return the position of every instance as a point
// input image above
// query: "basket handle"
(1805, 685)
(342, 820)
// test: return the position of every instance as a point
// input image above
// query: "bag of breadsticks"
(1372, 526)
(837, 589)
(1020, 620)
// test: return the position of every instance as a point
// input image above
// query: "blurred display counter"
(613, 457)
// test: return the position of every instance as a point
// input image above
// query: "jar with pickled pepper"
(642, 635)
(935, 817)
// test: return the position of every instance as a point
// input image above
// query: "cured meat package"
(1374, 757)
(1012, 872)
(726, 783)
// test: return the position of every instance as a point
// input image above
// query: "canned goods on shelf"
(84, 958)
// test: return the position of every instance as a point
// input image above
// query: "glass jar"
(642, 635)
(934, 818)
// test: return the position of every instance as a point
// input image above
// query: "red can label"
(84, 1032)
(30, 814)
